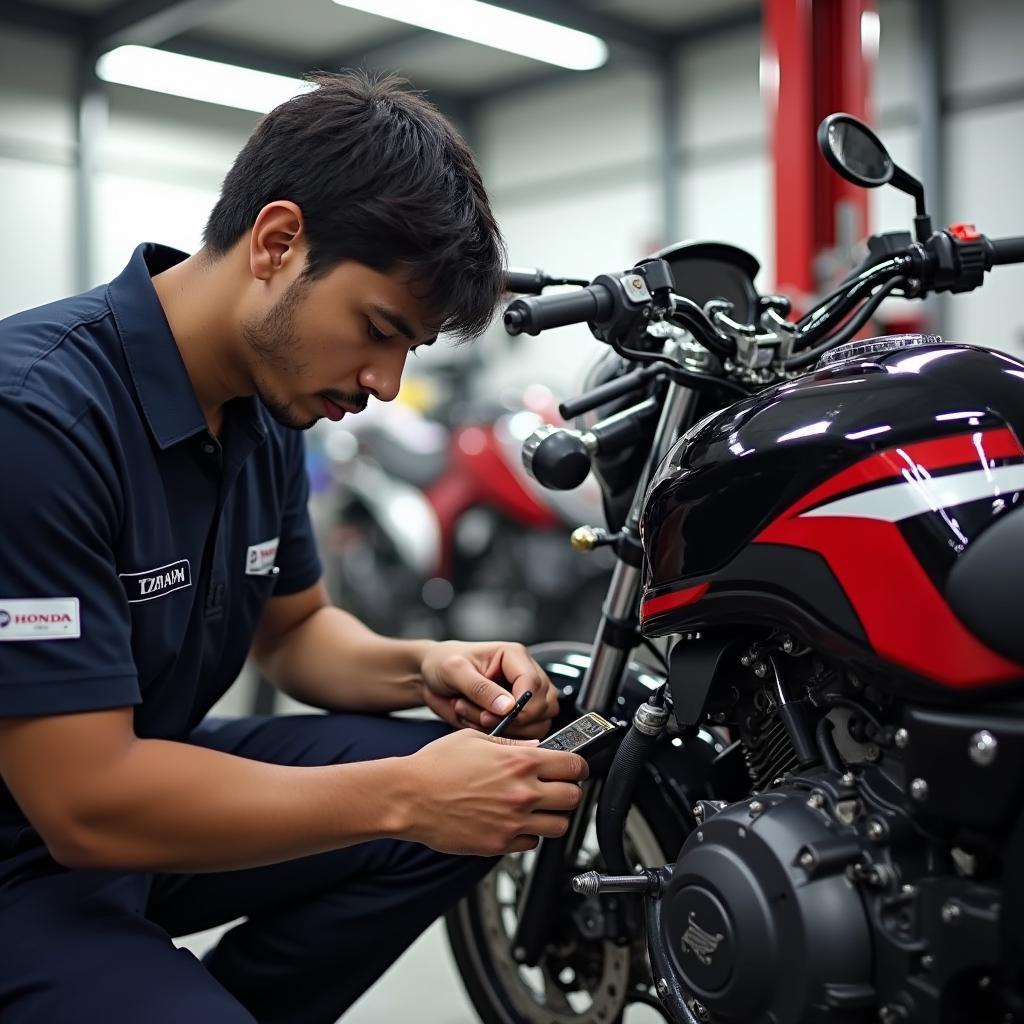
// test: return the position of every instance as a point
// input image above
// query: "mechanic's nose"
(383, 378)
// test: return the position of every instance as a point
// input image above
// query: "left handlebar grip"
(540, 313)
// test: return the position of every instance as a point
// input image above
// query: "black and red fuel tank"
(873, 507)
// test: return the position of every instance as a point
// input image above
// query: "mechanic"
(155, 534)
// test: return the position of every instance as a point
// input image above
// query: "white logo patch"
(154, 583)
(54, 618)
(259, 558)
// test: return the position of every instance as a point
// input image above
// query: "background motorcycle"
(836, 554)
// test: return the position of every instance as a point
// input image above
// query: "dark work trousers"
(95, 946)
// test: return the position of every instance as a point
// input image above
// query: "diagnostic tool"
(584, 736)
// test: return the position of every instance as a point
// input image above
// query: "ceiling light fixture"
(496, 27)
(144, 67)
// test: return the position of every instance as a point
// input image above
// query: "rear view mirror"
(854, 150)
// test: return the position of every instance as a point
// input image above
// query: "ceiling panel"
(674, 15)
(308, 30)
(454, 65)
(78, 6)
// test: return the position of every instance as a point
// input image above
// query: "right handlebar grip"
(1007, 250)
(540, 313)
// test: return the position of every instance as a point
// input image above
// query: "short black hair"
(381, 177)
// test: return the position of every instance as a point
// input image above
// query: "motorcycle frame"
(615, 639)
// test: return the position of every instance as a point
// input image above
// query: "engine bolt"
(950, 912)
(787, 644)
(703, 1013)
(876, 830)
(698, 812)
(755, 808)
(760, 669)
(919, 790)
(662, 988)
(902, 738)
(847, 779)
(816, 800)
(927, 962)
(807, 859)
(983, 748)
(747, 660)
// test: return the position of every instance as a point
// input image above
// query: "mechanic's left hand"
(469, 684)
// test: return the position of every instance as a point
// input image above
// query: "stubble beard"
(273, 341)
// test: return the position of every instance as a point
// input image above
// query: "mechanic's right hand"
(489, 795)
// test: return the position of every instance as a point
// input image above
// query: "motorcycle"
(817, 813)
(437, 507)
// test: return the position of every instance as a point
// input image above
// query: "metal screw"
(698, 812)
(872, 752)
(908, 890)
(747, 660)
(700, 837)
(636, 282)
(662, 988)
(983, 748)
(755, 808)
(816, 800)
(702, 1011)
(902, 738)
(807, 859)
(787, 644)
(927, 962)
(847, 779)
(919, 789)
(876, 830)
(760, 669)
(950, 912)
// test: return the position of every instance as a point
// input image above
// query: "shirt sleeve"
(296, 554)
(65, 625)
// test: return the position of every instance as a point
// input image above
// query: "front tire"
(582, 976)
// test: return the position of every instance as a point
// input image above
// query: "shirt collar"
(165, 391)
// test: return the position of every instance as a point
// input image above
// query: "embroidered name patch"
(259, 558)
(54, 618)
(158, 582)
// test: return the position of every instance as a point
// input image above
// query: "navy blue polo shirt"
(137, 550)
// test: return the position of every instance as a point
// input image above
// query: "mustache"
(353, 399)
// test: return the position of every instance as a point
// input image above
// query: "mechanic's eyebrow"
(399, 322)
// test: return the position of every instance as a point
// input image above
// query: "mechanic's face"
(328, 344)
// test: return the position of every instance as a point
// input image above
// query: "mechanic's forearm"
(169, 806)
(331, 660)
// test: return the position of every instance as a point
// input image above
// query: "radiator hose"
(617, 793)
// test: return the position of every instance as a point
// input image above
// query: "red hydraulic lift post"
(818, 58)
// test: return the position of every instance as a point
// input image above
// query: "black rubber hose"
(827, 747)
(617, 796)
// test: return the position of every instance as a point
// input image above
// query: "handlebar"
(540, 313)
(1007, 250)
(624, 385)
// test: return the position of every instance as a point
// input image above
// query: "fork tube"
(616, 633)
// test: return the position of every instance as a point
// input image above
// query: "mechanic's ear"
(277, 239)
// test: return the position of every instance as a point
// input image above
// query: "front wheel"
(583, 975)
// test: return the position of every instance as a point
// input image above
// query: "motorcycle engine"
(819, 898)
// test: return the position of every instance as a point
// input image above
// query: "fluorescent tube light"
(179, 75)
(494, 26)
